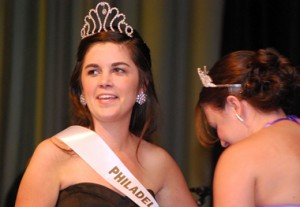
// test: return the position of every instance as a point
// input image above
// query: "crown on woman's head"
(207, 81)
(104, 18)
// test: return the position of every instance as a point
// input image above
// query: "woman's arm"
(40, 183)
(174, 191)
(234, 180)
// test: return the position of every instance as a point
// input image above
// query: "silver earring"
(82, 100)
(239, 117)
(141, 98)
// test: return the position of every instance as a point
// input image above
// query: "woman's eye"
(93, 72)
(119, 70)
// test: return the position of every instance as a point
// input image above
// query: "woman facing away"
(113, 98)
(245, 104)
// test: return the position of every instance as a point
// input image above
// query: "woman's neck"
(117, 136)
(260, 119)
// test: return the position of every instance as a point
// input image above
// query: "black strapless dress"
(92, 195)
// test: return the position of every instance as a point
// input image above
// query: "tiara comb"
(207, 81)
(104, 18)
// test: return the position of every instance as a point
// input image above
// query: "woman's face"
(110, 82)
(229, 129)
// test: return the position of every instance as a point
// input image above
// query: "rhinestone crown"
(104, 18)
(207, 81)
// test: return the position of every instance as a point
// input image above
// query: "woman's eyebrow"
(120, 63)
(92, 65)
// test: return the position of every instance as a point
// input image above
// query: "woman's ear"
(142, 88)
(234, 103)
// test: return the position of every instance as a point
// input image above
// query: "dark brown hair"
(143, 120)
(268, 82)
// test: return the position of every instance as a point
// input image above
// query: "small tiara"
(207, 81)
(97, 20)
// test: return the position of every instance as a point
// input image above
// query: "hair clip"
(97, 20)
(207, 81)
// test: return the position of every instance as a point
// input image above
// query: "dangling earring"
(82, 100)
(239, 117)
(141, 98)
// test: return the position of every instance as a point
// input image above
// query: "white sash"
(91, 148)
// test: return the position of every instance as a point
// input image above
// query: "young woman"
(113, 95)
(245, 104)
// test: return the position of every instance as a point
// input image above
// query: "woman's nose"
(105, 80)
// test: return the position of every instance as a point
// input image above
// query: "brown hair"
(268, 82)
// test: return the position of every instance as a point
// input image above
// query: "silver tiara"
(207, 81)
(98, 19)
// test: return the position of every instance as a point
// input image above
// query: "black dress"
(92, 195)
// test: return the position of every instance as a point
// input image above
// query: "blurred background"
(38, 43)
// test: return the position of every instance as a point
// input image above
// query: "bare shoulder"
(265, 147)
(239, 163)
(51, 145)
(41, 180)
(235, 174)
(155, 154)
(45, 148)
(167, 176)
(254, 162)
(51, 151)
(243, 154)
(159, 162)
(59, 144)
(47, 160)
